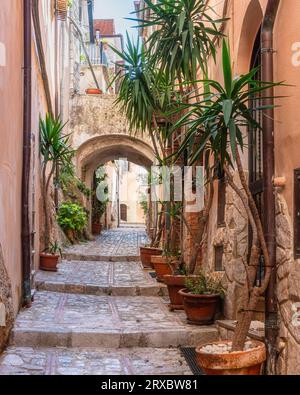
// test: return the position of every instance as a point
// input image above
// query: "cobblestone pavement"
(98, 278)
(63, 361)
(106, 321)
(101, 317)
(113, 243)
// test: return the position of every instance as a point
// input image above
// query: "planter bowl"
(93, 91)
(199, 309)
(146, 253)
(175, 284)
(48, 262)
(247, 362)
(163, 265)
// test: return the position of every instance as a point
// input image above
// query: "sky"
(118, 10)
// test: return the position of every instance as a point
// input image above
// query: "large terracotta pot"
(48, 262)
(96, 229)
(163, 265)
(199, 309)
(235, 363)
(175, 284)
(146, 253)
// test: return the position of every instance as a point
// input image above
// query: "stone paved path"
(101, 317)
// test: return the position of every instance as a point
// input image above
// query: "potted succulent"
(49, 257)
(201, 298)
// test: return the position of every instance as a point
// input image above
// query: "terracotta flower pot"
(96, 229)
(93, 91)
(48, 262)
(175, 284)
(247, 362)
(146, 253)
(163, 265)
(199, 309)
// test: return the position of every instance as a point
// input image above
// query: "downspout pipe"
(26, 232)
(267, 48)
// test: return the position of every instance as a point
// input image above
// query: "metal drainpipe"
(271, 316)
(26, 232)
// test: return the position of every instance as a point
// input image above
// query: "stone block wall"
(6, 304)
(288, 293)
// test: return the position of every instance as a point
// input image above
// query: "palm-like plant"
(217, 122)
(184, 36)
(56, 151)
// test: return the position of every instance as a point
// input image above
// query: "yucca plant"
(183, 38)
(56, 150)
(219, 121)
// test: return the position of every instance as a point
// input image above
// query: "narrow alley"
(101, 317)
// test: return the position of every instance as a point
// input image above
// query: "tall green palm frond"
(183, 37)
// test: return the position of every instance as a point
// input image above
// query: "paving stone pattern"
(101, 317)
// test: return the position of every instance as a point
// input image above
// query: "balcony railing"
(96, 54)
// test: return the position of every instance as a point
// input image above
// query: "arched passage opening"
(109, 154)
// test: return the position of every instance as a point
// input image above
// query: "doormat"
(189, 353)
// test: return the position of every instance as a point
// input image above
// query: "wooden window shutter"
(297, 213)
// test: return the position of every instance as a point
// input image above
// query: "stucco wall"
(11, 115)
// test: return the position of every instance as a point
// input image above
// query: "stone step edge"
(100, 258)
(106, 339)
(159, 290)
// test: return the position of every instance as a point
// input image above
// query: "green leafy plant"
(72, 216)
(54, 249)
(205, 284)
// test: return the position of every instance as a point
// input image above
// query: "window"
(221, 202)
(219, 251)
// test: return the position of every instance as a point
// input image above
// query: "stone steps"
(100, 278)
(70, 256)
(95, 361)
(70, 320)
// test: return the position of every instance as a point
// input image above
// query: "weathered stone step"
(100, 258)
(100, 278)
(65, 361)
(70, 320)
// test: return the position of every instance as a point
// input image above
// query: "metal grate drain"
(189, 353)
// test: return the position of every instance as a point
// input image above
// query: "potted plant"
(201, 298)
(49, 257)
(72, 218)
(146, 252)
(56, 152)
(220, 124)
(93, 91)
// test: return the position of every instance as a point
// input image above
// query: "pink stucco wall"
(11, 85)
